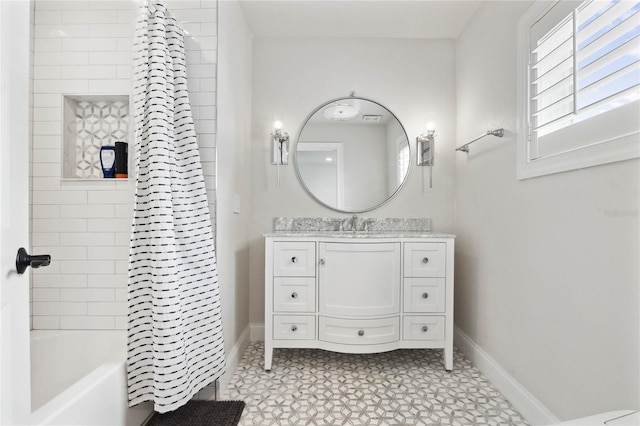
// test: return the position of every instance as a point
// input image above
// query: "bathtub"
(79, 378)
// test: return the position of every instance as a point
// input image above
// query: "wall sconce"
(279, 146)
(425, 145)
(280, 142)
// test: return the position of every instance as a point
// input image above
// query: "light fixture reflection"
(340, 112)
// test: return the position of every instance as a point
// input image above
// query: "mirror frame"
(295, 154)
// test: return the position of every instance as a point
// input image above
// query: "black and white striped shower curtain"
(175, 344)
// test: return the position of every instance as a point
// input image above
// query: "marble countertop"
(358, 234)
(329, 227)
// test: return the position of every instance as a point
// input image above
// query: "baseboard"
(257, 332)
(232, 361)
(528, 405)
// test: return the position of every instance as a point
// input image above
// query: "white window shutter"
(584, 62)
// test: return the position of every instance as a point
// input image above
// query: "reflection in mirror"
(322, 167)
(352, 155)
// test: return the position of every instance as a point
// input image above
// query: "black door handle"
(23, 259)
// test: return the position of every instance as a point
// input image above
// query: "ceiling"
(359, 18)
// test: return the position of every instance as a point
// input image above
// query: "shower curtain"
(175, 344)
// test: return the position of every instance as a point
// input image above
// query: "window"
(579, 70)
(403, 157)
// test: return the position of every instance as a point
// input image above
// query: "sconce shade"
(280, 145)
(424, 150)
(425, 145)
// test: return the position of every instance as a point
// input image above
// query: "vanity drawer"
(359, 332)
(294, 327)
(294, 259)
(424, 259)
(294, 294)
(423, 327)
(424, 295)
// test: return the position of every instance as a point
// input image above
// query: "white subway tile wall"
(85, 48)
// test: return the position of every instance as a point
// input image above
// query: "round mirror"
(352, 155)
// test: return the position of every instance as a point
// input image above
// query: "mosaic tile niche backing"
(91, 124)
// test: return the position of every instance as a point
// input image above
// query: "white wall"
(414, 79)
(85, 48)
(233, 170)
(547, 278)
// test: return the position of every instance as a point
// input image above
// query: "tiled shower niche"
(89, 123)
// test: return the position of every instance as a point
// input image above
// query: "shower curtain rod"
(498, 132)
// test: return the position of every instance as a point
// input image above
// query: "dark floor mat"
(201, 413)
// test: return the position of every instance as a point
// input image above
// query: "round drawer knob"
(425, 328)
(294, 259)
(425, 295)
(294, 295)
(321, 261)
(294, 328)
(361, 333)
(425, 260)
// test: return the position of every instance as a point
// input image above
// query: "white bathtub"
(79, 378)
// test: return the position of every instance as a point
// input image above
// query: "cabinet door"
(359, 279)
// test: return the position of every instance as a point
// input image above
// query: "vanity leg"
(448, 358)
(268, 356)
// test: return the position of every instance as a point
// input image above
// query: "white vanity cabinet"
(359, 293)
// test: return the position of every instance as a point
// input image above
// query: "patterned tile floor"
(404, 387)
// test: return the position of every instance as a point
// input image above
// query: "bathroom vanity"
(359, 292)
(356, 285)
